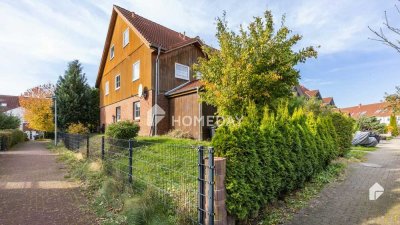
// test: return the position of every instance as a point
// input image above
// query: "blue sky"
(38, 38)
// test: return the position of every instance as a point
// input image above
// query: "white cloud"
(38, 37)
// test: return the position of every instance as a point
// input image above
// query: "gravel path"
(33, 189)
(348, 202)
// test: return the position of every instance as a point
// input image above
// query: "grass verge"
(113, 199)
(358, 153)
(283, 210)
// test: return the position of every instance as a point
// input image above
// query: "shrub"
(123, 130)
(77, 128)
(372, 124)
(273, 154)
(179, 134)
(344, 130)
(9, 121)
(393, 126)
(11, 137)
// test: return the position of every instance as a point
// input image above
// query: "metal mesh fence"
(177, 173)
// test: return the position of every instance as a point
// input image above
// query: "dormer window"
(125, 37)
(112, 52)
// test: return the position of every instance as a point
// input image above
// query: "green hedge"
(344, 131)
(11, 137)
(270, 155)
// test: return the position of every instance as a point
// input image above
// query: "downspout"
(157, 89)
(200, 116)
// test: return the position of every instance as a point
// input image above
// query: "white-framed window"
(112, 52)
(136, 110)
(136, 71)
(181, 71)
(125, 37)
(117, 113)
(117, 82)
(107, 88)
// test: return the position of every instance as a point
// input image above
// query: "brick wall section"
(107, 112)
(220, 213)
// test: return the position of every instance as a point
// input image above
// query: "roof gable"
(152, 34)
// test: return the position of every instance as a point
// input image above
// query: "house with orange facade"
(146, 76)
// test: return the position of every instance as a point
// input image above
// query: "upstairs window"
(136, 110)
(107, 88)
(181, 71)
(117, 82)
(117, 114)
(125, 37)
(112, 52)
(136, 71)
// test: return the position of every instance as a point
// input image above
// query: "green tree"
(393, 126)
(393, 101)
(9, 121)
(256, 65)
(77, 102)
(365, 123)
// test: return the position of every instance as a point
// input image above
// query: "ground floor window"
(136, 110)
(117, 114)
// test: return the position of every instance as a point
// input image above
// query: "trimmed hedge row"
(10, 138)
(270, 156)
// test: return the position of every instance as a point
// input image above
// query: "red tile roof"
(11, 102)
(376, 109)
(156, 34)
(186, 87)
(313, 93)
(327, 100)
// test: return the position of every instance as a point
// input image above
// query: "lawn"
(168, 166)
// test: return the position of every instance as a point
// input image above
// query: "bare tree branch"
(383, 38)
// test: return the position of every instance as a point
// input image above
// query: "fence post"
(130, 159)
(211, 186)
(102, 148)
(201, 208)
(87, 146)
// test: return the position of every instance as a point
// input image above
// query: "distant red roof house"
(328, 101)
(375, 109)
(8, 102)
(301, 90)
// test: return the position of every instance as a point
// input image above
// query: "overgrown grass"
(358, 153)
(281, 211)
(156, 164)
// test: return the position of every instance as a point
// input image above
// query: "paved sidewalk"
(348, 203)
(33, 189)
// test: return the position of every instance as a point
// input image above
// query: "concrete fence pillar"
(220, 213)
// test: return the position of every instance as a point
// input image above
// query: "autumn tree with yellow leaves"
(37, 104)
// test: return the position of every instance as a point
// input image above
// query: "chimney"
(359, 106)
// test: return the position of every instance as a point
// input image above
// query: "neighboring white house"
(10, 105)
(379, 110)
